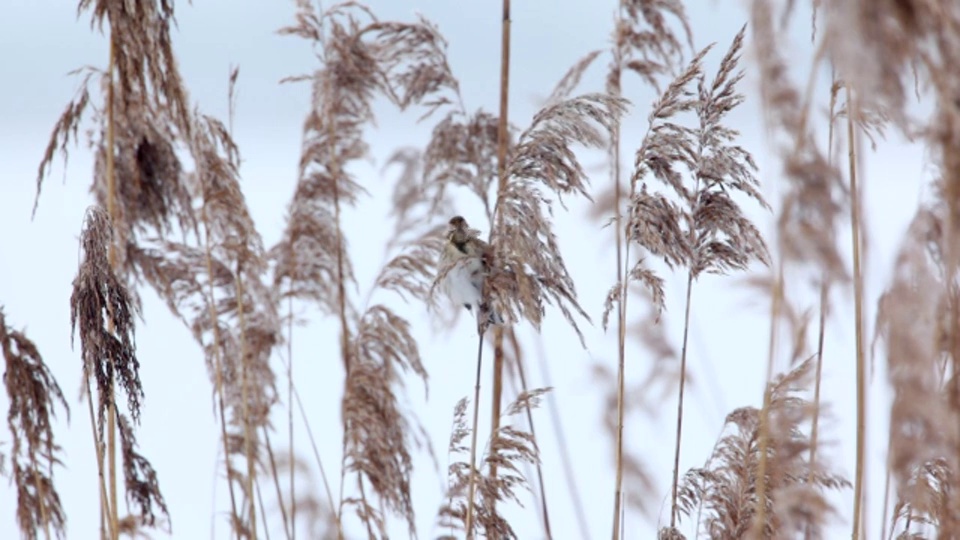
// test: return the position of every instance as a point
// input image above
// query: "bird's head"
(458, 223)
(457, 226)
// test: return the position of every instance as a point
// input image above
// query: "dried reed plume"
(644, 44)
(531, 270)
(507, 449)
(362, 58)
(144, 110)
(914, 320)
(102, 311)
(706, 231)
(170, 212)
(722, 496)
(33, 393)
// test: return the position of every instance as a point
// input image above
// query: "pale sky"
(42, 40)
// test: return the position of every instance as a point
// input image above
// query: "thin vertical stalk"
(263, 511)
(218, 360)
(333, 167)
(886, 505)
(533, 432)
(558, 431)
(686, 333)
(683, 379)
(776, 306)
(472, 490)
(111, 210)
(316, 454)
(496, 393)
(858, 313)
(622, 299)
(98, 447)
(824, 298)
(502, 135)
(293, 491)
(822, 326)
(276, 483)
(245, 392)
(814, 428)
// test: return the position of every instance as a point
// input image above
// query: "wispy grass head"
(722, 495)
(531, 271)
(33, 394)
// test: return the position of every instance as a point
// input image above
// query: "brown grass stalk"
(106, 525)
(644, 45)
(525, 389)
(218, 363)
(111, 454)
(680, 393)
(473, 471)
(502, 145)
(614, 87)
(316, 456)
(291, 456)
(861, 382)
(824, 298)
(564, 449)
(759, 525)
(276, 484)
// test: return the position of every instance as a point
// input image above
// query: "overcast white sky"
(42, 40)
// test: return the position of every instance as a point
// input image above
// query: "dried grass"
(34, 395)
(722, 496)
(170, 213)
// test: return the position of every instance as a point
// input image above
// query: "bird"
(466, 260)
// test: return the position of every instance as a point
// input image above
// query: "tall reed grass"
(170, 215)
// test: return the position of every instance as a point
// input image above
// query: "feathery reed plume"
(648, 54)
(462, 152)
(722, 495)
(145, 103)
(216, 288)
(406, 63)
(902, 43)
(514, 358)
(815, 198)
(914, 320)
(143, 488)
(241, 318)
(527, 268)
(33, 394)
(108, 353)
(362, 58)
(378, 435)
(509, 448)
(530, 270)
(707, 231)
(149, 115)
(98, 295)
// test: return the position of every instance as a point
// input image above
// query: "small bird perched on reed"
(466, 260)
